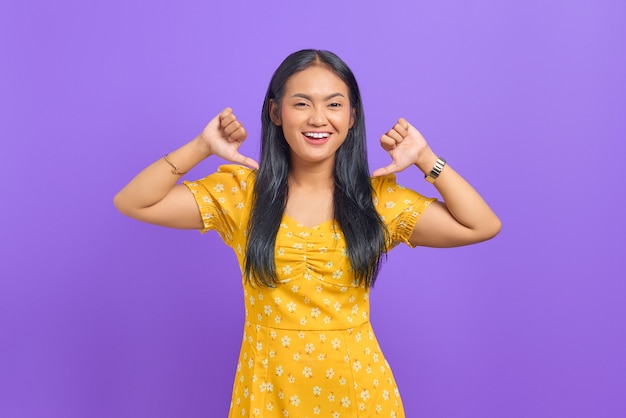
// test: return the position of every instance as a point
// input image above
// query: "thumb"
(247, 161)
(383, 171)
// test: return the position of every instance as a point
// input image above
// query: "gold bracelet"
(175, 168)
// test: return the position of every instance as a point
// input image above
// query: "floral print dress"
(308, 347)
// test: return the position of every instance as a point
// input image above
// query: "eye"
(335, 104)
(300, 104)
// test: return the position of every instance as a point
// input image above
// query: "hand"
(406, 146)
(223, 136)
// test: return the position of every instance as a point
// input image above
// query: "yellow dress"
(308, 347)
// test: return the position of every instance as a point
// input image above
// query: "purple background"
(102, 316)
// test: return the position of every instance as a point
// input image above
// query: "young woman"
(309, 226)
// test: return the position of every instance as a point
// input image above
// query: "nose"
(317, 117)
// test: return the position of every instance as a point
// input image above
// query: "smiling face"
(315, 115)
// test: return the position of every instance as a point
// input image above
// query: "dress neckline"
(301, 225)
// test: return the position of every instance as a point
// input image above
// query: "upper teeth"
(316, 134)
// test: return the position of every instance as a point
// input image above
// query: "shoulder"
(386, 186)
(391, 198)
(228, 178)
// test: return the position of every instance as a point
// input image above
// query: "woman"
(309, 227)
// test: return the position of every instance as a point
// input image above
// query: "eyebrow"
(307, 97)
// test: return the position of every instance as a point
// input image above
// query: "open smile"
(316, 137)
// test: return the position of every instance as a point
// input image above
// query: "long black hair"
(354, 211)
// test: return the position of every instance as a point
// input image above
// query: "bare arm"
(463, 217)
(154, 196)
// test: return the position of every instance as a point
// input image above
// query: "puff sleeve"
(223, 200)
(399, 208)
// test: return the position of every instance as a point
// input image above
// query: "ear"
(275, 113)
(352, 118)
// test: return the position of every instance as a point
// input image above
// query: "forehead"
(315, 80)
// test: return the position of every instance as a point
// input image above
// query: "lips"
(316, 138)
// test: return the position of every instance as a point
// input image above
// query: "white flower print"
(337, 274)
(267, 309)
(287, 269)
(279, 370)
(337, 306)
(330, 373)
(295, 288)
(321, 356)
(357, 337)
(323, 338)
(336, 343)
(234, 189)
(331, 397)
(294, 400)
(219, 188)
(316, 410)
(342, 381)
(365, 394)
(291, 307)
(285, 341)
(277, 319)
(301, 334)
(307, 372)
(240, 205)
(296, 356)
(327, 319)
(309, 348)
(307, 300)
(297, 246)
(386, 394)
(291, 379)
(323, 250)
(335, 414)
(390, 204)
(329, 264)
(303, 321)
(315, 312)
(277, 300)
(356, 365)
(317, 391)
(345, 402)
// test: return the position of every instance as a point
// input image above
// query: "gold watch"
(437, 168)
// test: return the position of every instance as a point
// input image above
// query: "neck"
(313, 176)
